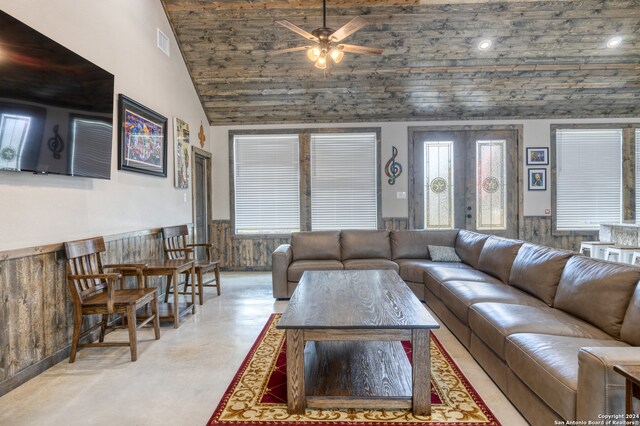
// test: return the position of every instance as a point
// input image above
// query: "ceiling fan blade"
(360, 49)
(349, 28)
(291, 49)
(298, 30)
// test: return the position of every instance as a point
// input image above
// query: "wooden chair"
(176, 246)
(93, 292)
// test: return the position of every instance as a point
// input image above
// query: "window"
(588, 178)
(344, 190)
(266, 184)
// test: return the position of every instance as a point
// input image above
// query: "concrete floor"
(179, 379)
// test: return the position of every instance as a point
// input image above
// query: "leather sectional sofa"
(546, 324)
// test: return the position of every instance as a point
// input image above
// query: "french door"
(464, 179)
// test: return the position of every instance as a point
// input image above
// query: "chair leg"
(200, 286)
(156, 318)
(132, 322)
(166, 292)
(77, 325)
(186, 282)
(103, 327)
(216, 271)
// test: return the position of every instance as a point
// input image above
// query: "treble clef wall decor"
(56, 144)
(393, 169)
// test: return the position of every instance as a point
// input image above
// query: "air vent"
(163, 42)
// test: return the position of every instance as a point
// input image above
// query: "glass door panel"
(491, 188)
(438, 185)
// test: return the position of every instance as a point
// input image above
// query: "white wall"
(119, 36)
(537, 133)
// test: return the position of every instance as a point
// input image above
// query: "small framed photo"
(183, 153)
(142, 145)
(537, 156)
(537, 179)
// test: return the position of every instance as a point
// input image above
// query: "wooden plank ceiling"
(549, 60)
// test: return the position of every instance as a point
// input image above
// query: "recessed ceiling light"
(614, 41)
(485, 45)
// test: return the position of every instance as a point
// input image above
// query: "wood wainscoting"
(253, 253)
(243, 253)
(539, 230)
(36, 315)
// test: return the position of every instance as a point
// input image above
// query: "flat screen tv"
(56, 108)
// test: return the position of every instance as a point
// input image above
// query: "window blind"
(588, 178)
(344, 181)
(267, 184)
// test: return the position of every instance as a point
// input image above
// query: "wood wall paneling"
(539, 230)
(36, 314)
(254, 253)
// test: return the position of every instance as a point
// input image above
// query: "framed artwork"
(142, 138)
(182, 153)
(537, 179)
(537, 156)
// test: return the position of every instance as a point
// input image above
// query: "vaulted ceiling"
(549, 60)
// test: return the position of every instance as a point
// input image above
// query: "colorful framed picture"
(537, 156)
(182, 154)
(537, 179)
(142, 138)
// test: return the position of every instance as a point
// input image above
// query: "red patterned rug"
(258, 393)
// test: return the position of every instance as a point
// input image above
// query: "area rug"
(258, 393)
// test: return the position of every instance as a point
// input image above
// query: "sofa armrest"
(280, 261)
(601, 390)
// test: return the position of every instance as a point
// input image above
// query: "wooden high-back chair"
(176, 246)
(94, 292)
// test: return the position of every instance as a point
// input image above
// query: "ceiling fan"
(327, 41)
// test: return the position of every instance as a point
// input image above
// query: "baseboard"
(34, 370)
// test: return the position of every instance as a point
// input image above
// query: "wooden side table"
(632, 404)
(170, 268)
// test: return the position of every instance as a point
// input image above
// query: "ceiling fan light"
(337, 55)
(321, 62)
(313, 53)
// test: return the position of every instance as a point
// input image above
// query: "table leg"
(421, 372)
(176, 308)
(296, 398)
(192, 272)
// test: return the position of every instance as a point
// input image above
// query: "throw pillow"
(443, 254)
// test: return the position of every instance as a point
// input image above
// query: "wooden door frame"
(195, 151)
(519, 170)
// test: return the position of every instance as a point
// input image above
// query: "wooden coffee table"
(343, 343)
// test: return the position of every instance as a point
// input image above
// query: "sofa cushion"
(497, 255)
(434, 277)
(370, 264)
(443, 254)
(458, 296)
(537, 270)
(469, 245)
(412, 269)
(316, 245)
(597, 291)
(364, 244)
(494, 322)
(548, 365)
(630, 331)
(413, 244)
(296, 269)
